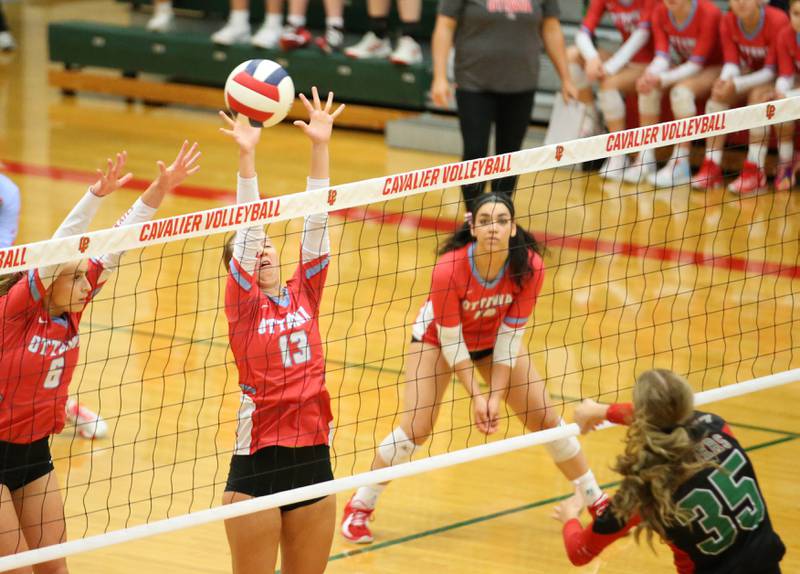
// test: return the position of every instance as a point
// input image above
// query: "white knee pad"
(713, 107)
(650, 104)
(681, 99)
(578, 76)
(396, 448)
(563, 449)
(611, 104)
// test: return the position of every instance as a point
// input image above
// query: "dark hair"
(519, 263)
(227, 251)
(8, 281)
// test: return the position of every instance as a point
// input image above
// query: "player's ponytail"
(659, 453)
(519, 246)
(8, 281)
(227, 252)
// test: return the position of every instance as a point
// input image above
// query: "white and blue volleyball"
(261, 90)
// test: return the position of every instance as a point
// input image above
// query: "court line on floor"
(484, 518)
(576, 242)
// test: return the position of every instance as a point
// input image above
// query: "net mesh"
(701, 283)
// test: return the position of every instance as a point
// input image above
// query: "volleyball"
(261, 90)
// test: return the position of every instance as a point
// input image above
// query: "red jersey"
(697, 39)
(627, 15)
(752, 52)
(459, 295)
(279, 355)
(788, 49)
(37, 359)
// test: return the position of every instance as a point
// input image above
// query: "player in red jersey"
(788, 49)
(749, 35)
(688, 61)
(686, 478)
(483, 290)
(41, 311)
(285, 413)
(616, 74)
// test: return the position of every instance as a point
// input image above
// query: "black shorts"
(21, 464)
(277, 469)
(474, 355)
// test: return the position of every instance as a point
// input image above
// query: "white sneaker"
(407, 53)
(161, 22)
(590, 124)
(675, 172)
(637, 171)
(614, 168)
(267, 37)
(7, 43)
(232, 33)
(370, 46)
(88, 423)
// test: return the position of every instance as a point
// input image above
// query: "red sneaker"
(354, 523)
(294, 37)
(751, 181)
(708, 177)
(599, 506)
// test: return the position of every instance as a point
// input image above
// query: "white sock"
(239, 18)
(296, 20)
(714, 155)
(679, 153)
(588, 487)
(274, 21)
(367, 496)
(785, 152)
(163, 8)
(334, 22)
(757, 154)
(647, 157)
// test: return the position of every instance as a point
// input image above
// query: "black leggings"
(511, 114)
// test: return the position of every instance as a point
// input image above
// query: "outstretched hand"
(185, 164)
(568, 509)
(320, 120)
(245, 135)
(110, 181)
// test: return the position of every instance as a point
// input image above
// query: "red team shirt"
(696, 40)
(37, 359)
(754, 52)
(278, 351)
(627, 16)
(788, 52)
(460, 296)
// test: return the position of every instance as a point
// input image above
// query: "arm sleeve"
(730, 71)
(784, 85)
(446, 305)
(745, 83)
(512, 327)
(707, 42)
(583, 41)
(138, 213)
(678, 73)
(631, 47)
(620, 413)
(730, 52)
(315, 227)
(584, 544)
(658, 66)
(248, 241)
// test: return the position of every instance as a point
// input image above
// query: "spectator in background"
(296, 35)
(498, 44)
(7, 43)
(376, 43)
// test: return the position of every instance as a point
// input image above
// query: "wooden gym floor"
(716, 300)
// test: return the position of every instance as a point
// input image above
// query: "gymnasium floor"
(158, 369)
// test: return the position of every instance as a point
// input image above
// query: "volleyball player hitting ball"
(285, 413)
(483, 289)
(41, 312)
(685, 477)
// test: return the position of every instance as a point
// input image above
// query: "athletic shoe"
(89, 424)
(7, 43)
(407, 53)
(637, 172)
(332, 41)
(676, 172)
(267, 37)
(751, 181)
(370, 46)
(599, 506)
(614, 168)
(784, 177)
(709, 176)
(354, 523)
(294, 37)
(232, 33)
(161, 22)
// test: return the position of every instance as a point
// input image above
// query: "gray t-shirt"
(498, 42)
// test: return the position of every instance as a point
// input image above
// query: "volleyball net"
(636, 277)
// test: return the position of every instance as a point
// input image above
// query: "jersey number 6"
(53, 378)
